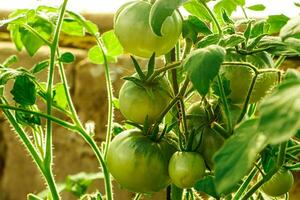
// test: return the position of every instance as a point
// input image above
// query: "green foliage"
(279, 113)
(236, 157)
(111, 47)
(291, 29)
(257, 7)
(203, 66)
(24, 91)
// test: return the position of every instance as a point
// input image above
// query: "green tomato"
(279, 184)
(132, 28)
(206, 141)
(140, 164)
(137, 102)
(238, 78)
(186, 168)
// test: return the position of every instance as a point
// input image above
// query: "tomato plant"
(220, 116)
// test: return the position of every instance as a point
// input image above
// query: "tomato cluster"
(148, 158)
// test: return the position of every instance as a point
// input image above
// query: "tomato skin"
(210, 142)
(186, 168)
(240, 77)
(132, 28)
(136, 103)
(138, 163)
(279, 184)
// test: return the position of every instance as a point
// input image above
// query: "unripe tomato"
(279, 184)
(140, 164)
(210, 142)
(136, 102)
(186, 168)
(239, 78)
(132, 28)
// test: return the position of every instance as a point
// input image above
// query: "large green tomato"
(279, 184)
(186, 168)
(239, 78)
(140, 164)
(132, 28)
(210, 142)
(137, 102)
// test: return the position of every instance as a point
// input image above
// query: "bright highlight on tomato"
(140, 164)
(132, 28)
(186, 168)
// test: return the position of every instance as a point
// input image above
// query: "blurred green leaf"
(276, 22)
(291, 28)
(257, 7)
(207, 185)
(234, 160)
(280, 113)
(40, 66)
(73, 28)
(111, 46)
(67, 57)
(59, 95)
(197, 9)
(194, 26)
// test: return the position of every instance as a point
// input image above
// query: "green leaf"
(269, 158)
(297, 4)
(203, 65)
(40, 66)
(160, 10)
(111, 46)
(67, 57)
(151, 66)
(259, 28)
(232, 40)
(196, 8)
(207, 185)
(33, 197)
(208, 40)
(138, 68)
(228, 5)
(73, 28)
(291, 29)
(226, 18)
(16, 36)
(24, 92)
(31, 42)
(291, 75)
(59, 95)
(257, 7)
(234, 160)
(276, 22)
(27, 118)
(193, 26)
(280, 113)
(10, 60)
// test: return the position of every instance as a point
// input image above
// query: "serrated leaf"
(196, 8)
(24, 92)
(291, 29)
(276, 22)
(234, 160)
(280, 113)
(232, 40)
(257, 7)
(209, 40)
(67, 57)
(203, 65)
(160, 10)
(207, 185)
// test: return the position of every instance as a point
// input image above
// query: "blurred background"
(18, 175)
